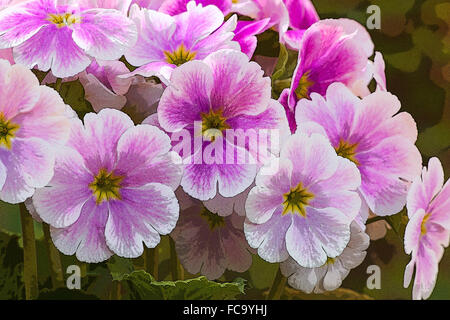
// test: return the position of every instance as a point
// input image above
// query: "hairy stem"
(29, 254)
(175, 267)
(56, 272)
(58, 84)
(277, 286)
(116, 290)
(151, 261)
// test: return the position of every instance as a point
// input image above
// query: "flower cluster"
(187, 138)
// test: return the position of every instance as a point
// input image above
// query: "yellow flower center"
(179, 56)
(106, 186)
(347, 150)
(304, 84)
(212, 123)
(423, 226)
(8, 131)
(214, 220)
(330, 260)
(63, 20)
(296, 200)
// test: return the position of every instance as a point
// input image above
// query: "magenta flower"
(49, 34)
(174, 7)
(428, 229)
(274, 10)
(379, 74)
(331, 51)
(369, 133)
(120, 5)
(305, 209)
(209, 244)
(220, 108)
(7, 54)
(245, 34)
(113, 188)
(302, 15)
(166, 42)
(8, 3)
(33, 123)
(149, 4)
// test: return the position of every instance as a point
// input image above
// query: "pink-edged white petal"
(85, 237)
(104, 34)
(270, 237)
(60, 203)
(239, 85)
(140, 217)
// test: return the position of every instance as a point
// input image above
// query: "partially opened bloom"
(49, 34)
(166, 42)
(113, 188)
(371, 134)
(224, 120)
(103, 86)
(305, 209)
(302, 15)
(245, 34)
(143, 98)
(330, 275)
(33, 123)
(332, 50)
(428, 229)
(274, 10)
(174, 7)
(379, 71)
(209, 244)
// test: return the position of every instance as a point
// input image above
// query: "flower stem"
(56, 273)
(58, 84)
(116, 290)
(277, 286)
(151, 261)
(175, 266)
(29, 254)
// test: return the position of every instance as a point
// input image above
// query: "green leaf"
(11, 267)
(262, 273)
(280, 68)
(119, 267)
(434, 139)
(142, 286)
(73, 94)
(407, 61)
(10, 218)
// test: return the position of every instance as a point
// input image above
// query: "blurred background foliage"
(415, 41)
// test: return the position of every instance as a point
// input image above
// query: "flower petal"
(140, 216)
(270, 237)
(86, 236)
(104, 34)
(60, 203)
